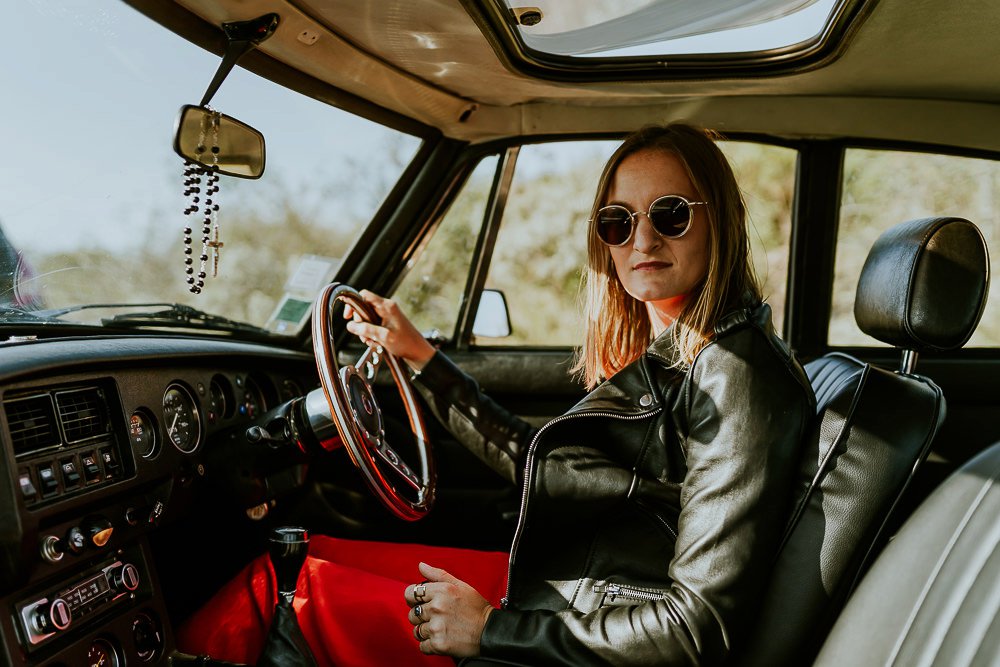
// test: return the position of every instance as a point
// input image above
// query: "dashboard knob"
(51, 616)
(75, 540)
(125, 578)
(98, 531)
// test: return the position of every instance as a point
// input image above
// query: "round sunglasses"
(670, 216)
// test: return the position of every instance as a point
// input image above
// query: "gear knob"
(288, 547)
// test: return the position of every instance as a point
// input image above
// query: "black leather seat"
(923, 287)
(933, 595)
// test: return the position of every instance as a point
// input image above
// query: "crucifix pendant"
(216, 246)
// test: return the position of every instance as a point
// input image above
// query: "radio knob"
(125, 578)
(51, 616)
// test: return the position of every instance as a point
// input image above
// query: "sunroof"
(636, 28)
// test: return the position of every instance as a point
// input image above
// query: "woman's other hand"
(396, 334)
(452, 614)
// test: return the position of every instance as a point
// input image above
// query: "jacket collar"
(632, 391)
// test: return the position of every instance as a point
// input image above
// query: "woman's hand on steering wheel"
(396, 334)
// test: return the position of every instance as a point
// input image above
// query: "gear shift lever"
(287, 548)
(285, 646)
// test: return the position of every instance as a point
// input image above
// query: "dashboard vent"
(83, 413)
(32, 423)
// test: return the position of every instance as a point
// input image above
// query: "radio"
(43, 617)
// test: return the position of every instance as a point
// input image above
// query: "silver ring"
(418, 611)
(419, 591)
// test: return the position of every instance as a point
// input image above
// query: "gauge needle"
(170, 431)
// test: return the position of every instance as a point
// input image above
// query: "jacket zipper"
(613, 591)
(529, 468)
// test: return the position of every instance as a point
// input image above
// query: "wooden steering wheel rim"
(369, 451)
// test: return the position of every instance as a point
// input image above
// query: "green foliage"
(884, 188)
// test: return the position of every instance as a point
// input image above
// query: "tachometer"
(180, 417)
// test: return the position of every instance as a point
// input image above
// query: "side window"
(431, 293)
(766, 175)
(541, 247)
(883, 188)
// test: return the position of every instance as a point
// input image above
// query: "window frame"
(814, 340)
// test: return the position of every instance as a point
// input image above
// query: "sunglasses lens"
(614, 225)
(670, 216)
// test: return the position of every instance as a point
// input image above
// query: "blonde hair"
(618, 329)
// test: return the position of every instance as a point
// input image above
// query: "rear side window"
(883, 188)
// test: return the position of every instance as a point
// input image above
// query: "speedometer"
(180, 417)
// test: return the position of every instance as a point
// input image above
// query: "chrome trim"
(909, 362)
(320, 420)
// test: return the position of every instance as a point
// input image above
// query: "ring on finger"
(417, 634)
(419, 591)
(418, 611)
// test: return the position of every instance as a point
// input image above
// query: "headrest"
(924, 284)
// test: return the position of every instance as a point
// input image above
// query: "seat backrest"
(872, 430)
(933, 595)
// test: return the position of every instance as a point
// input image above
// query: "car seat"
(923, 287)
(932, 596)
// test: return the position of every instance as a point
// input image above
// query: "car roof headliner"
(912, 70)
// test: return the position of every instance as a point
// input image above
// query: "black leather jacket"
(652, 510)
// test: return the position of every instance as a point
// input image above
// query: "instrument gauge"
(218, 407)
(180, 417)
(102, 654)
(290, 389)
(142, 433)
(253, 400)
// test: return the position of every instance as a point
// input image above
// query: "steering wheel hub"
(367, 415)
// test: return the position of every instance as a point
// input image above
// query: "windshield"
(92, 203)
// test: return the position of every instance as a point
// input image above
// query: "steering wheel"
(407, 494)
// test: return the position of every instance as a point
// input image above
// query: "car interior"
(176, 381)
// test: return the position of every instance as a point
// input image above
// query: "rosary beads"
(193, 174)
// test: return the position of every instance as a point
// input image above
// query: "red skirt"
(349, 602)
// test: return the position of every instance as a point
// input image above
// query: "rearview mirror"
(220, 142)
(492, 316)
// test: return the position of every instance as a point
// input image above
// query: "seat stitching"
(939, 565)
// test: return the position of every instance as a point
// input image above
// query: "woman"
(653, 509)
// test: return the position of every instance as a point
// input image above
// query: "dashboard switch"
(71, 476)
(91, 471)
(47, 480)
(110, 463)
(28, 491)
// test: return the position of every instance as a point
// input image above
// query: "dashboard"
(104, 442)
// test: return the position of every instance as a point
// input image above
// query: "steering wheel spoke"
(369, 363)
(395, 461)
(355, 412)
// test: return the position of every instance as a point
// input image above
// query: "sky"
(92, 89)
